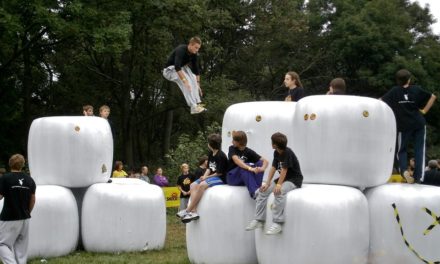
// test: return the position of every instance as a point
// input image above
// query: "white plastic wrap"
(323, 224)
(125, 215)
(259, 120)
(344, 140)
(54, 224)
(219, 235)
(387, 244)
(71, 151)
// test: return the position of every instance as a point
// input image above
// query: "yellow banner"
(172, 196)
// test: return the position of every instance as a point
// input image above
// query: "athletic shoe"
(254, 224)
(181, 213)
(274, 229)
(197, 109)
(190, 217)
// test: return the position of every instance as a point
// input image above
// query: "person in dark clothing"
(18, 190)
(337, 87)
(246, 167)
(183, 184)
(432, 175)
(215, 175)
(183, 69)
(293, 83)
(409, 103)
(203, 165)
(287, 164)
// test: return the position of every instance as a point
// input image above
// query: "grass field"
(173, 252)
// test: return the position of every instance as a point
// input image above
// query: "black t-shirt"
(288, 160)
(218, 164)
(432, 177)
(246, 155)
(199, 172)
(295, 94)
(184, 181)
(405, 103)
(17, 189)
(181, 57)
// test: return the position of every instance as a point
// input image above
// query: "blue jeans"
(403, 138)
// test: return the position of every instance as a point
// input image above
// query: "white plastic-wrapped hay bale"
(219, 235)
(344, 140)
(259, 120)
(404, 225)
(54, 223)
(71, 151)
(125, 215)
(323, 224)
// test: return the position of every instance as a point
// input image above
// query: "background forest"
(58, 55)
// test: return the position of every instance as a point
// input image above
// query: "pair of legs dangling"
(192, 97)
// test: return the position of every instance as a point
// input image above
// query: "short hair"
(202, 159)
(338, 86)
(239, 137)
(279, 140)
(16, 162)
(117, 164)
(402, 77)
(196, 40)
(87, 107)
(104, 107)
(215, 141)
(295, 76)
(432, 164)
(183, 166)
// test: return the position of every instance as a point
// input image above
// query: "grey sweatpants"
(14, 239)
(192, 97)
(278, 204)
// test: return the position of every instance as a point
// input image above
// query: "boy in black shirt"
(284, 161)
(409, 103)
(183, 69)
(203, 165)
(246, 167)
(183, 184)
(18, 189)
(214, 175)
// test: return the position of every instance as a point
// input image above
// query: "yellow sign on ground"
(172, 196)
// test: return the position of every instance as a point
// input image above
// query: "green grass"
(173, 252)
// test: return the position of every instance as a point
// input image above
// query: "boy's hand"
(277, 189)
(263, 187)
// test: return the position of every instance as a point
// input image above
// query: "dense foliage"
(57, 55)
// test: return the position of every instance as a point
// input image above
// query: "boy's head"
(16, 162)
(337, 86)
(144, 170)
(104, 111)
(88, 110)
(432, 164)
(239, 138)
(194, 45)
(119, 165)
(279, 141)
(214, 141)
(203, 160)
(184, 168)
(403, 77)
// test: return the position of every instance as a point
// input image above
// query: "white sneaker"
(181, 213)
(197, 109)
(274, 229)
(190, 217)
(254, 224)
